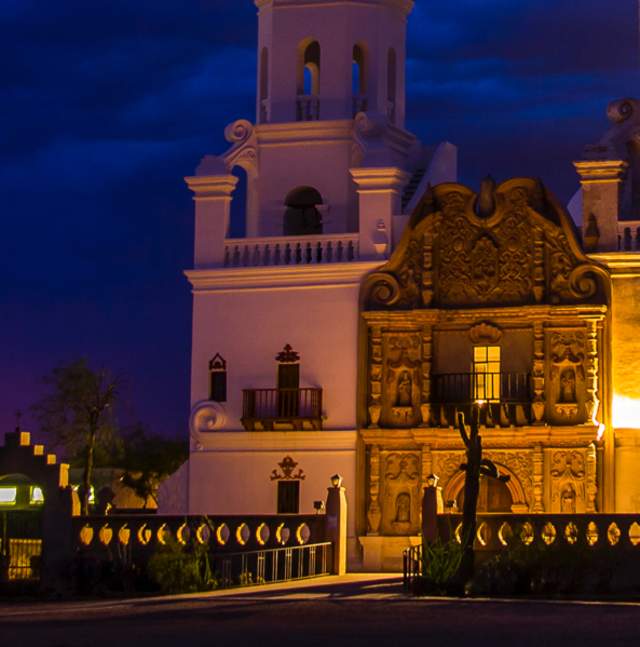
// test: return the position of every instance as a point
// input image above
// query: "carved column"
(538, 263)
(592, 372)
(538, 404)
(427, 463)
(373, 513)
(538, 479)
(427, 265)
(427, 352)
(375, 375)
(592, 479)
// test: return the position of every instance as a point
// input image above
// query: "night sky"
(107, 105)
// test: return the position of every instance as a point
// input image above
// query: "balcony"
(506, 398)
(281, 409)
(290, 250)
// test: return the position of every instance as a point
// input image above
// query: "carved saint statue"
(568, 386)
(405, 383)
(403, 508)
(568, 499)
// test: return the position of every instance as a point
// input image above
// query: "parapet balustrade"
(289, 250)
(629, 236)
(308, 107)
(498, 532)
(241, 549)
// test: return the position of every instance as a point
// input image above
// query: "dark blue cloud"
(106, 105)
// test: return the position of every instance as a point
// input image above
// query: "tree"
(148, 460)
(78, 412)
(475, 467)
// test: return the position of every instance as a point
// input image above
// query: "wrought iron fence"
(411, 565)
(273, 565)
(267, 406)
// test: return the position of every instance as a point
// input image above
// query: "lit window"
(37, 496)
(486, 373)
(8, 495)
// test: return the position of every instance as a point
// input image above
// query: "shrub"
(441, 563)
(181, 569)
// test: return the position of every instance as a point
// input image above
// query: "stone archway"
(453, 489)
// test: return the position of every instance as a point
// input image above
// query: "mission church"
(370, 297)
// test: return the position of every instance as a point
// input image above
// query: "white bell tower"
(328, 153)
(325, 60)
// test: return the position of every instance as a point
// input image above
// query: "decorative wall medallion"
(288, 466)
(485, 333)
(287, 355)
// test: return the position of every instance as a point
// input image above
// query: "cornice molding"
(211, 186)
(601, 171)
(406, 6)
(283, 441)
(278, 278)
(621, 265)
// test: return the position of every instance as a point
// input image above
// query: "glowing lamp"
(626, 412)
(432, 480)
(336, 480)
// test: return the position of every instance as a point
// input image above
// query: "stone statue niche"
(401, 493)
(567, 378)
(401, 385)
(568, 482)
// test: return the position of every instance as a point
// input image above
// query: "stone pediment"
(510, 245)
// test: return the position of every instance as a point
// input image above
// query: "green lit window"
(8, 495)
(486, 373)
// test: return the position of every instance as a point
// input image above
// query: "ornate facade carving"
(523, 252)
(568, 481)
(289, 472)
(374, 515)
(402, 379)
(567, 376)
(401, 492)
(485, 333)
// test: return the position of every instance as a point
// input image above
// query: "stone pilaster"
(538, 479)
(593, 402)
(538, 405)
(374, 515)
(427, 352)
(375, 376)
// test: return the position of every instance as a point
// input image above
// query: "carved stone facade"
(502, 271)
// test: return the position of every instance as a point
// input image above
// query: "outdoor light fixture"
(336, 480)
(37, 496)
(432, 480)
(8, 495)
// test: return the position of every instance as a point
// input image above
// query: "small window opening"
(486, 373)
(288, 497)
(308, 101)
(218, 379)
(288, 382)
(302, 217)
(358, 80)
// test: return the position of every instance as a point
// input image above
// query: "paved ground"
(359, 610)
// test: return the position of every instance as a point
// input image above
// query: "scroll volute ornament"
(485, 333)
(512, 245)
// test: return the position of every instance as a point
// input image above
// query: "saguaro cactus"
(475, 467)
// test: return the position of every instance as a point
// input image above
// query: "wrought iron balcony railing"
(506, 397)
(267, 409)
